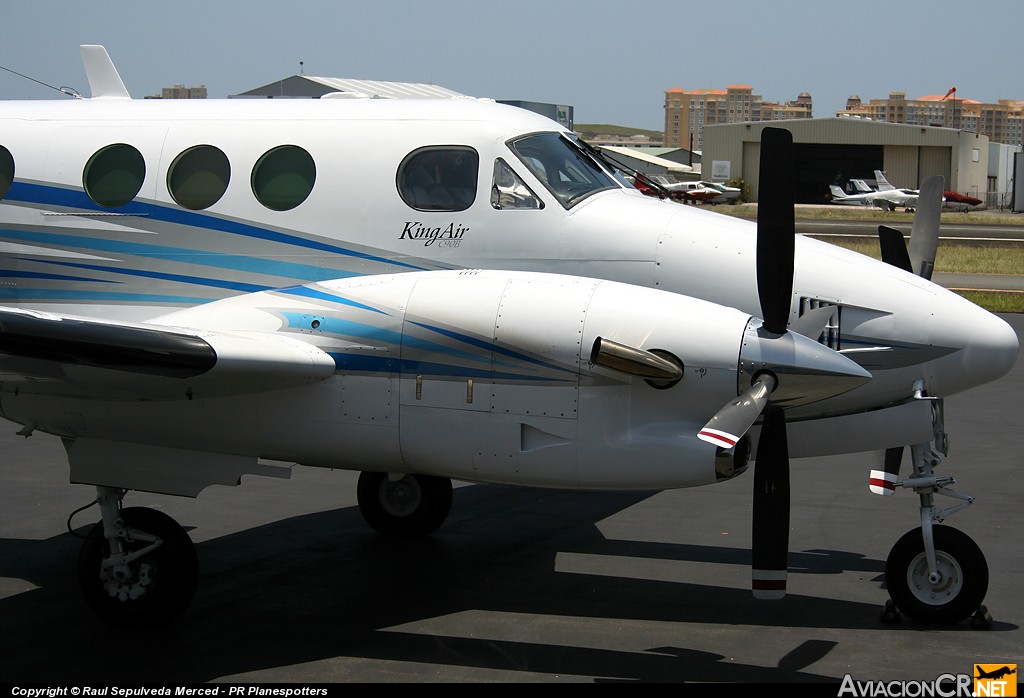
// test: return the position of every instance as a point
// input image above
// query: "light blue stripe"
(218, 260)
(74, 198)
(307, 292)
(178, 278)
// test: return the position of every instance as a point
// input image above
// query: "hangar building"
(835, 150)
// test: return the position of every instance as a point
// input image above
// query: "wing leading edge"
(71, 355)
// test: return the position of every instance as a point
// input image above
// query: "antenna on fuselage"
(104, 81)
(63, 89)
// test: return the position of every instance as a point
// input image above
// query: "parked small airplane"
(727, 194)
(887, 199)
(951, 200)
(956, 201)
(447, 289)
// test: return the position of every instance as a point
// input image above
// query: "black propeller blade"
(894, 248)
(770, 534)
(776, 247)
(884, 481)
(776, 229)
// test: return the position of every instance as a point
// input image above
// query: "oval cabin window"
(114, 174)
(6, 170)
(283, 177)
(198, 177)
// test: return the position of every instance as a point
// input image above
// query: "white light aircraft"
(886, 199)
(428, 290)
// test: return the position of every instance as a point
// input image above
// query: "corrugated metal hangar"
(836, 150)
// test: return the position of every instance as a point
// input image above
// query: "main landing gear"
(935, 574)
(137, 566)
(403, 504)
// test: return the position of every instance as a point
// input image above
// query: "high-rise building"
(687, 112)
(1002, 122)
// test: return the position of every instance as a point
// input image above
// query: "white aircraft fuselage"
(205, 268)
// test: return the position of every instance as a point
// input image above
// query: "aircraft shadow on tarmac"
(322, 585)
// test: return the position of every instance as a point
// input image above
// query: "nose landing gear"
(935, 574)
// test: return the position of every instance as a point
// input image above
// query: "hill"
(591, 130)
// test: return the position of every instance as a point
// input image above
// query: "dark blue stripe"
(55, 277)
(110, 296)
(483, 344)
(378, 364)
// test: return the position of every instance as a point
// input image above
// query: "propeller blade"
(894, 248)
(732, 421)
(924, 234)
(883, 482)
(770, 533)
(814, 322)
(776, 230)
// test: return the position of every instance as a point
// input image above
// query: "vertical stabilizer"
(883, 183)
(104, 82)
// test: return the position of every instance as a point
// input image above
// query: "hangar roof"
(313, 86)
(669, 165)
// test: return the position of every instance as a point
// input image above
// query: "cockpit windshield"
(563, 166)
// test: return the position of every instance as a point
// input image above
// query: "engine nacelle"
(476, 375)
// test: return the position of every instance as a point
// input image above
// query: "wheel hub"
(402, 497)
(937, 589)
(122, 584)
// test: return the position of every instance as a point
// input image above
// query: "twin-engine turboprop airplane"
(428, 290)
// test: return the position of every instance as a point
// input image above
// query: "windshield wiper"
(614, 164)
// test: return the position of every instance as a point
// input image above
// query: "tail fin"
(837, 192)
(883, 183)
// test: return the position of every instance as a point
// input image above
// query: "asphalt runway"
(519, 585)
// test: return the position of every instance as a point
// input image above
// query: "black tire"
(413, 506)
(957, 596)
(162, 582)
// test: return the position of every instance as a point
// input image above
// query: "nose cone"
(990, 350)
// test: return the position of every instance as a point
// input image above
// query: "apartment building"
(687, 112)
(1002, 122)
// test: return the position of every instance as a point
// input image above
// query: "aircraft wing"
(65, 355)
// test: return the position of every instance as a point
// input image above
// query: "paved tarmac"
(519, 585)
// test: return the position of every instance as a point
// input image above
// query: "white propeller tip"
(769, 584)
(883, 483)
(718, 438)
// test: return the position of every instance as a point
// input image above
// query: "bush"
(742, 185)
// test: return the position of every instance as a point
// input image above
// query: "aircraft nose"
(990, 350)
(993, 349)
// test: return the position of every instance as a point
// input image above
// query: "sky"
(611, 61)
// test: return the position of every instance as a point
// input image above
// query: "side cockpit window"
(439, 178)
(562, 166)
(6, 170)
(114, 174)
(508, 191)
